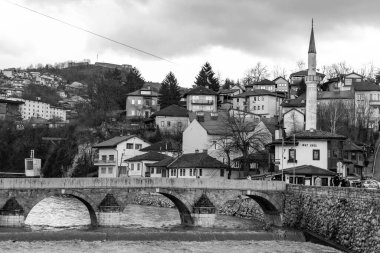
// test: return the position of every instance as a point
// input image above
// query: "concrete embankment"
(152, 236)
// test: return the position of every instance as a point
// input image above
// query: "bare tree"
(255, 74)
(279, 71)
(364, 117)
(341, 68)
(369, 71)
(332, 115)
(225, 146)
(245, 135)
(300, 65)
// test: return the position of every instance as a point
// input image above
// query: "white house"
(114, 151)
(139, 166)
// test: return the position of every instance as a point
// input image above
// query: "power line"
(88, 31)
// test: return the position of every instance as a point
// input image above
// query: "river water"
(63, 213)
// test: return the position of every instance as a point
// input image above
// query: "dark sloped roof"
(305, 73)
(150, 156)
(317, 134)
(349, 145)
(227, 91)
(215, 127)
(297, 102)
(113, 141)
(259, 92)
(162, 163)
(173, 111)
(280, 77)
(197, 160)
(271, 124)
(8, 101)
(200, 90)
(162, 146)
(346, 94)
(138, 93)
(366, 86)
(265, 82)
(309, 169)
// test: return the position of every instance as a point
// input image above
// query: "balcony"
(98, 161)
(202, 102)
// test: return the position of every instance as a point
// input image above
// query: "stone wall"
(347, 216)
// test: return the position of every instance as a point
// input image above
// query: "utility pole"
(294, 160)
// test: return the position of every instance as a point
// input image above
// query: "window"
(111, 157)
(182, 172)
(152, 170)
(200, 172)
(104, 157)
(254, 98)
(262, 107)
(110, 170)
(191, 172)
(262, 98)
(153, 102)
(132, 166)
(139, 102)
(138, 166)
(133, 102)
(259, 98)
(353, 155)
(222, 172)
(254, 107)
(138, 146)
(168, 123)
(292, 155)
(133, 113)
(162, 123)
(324, 181)
(316, 154)
(129, 145)
(237, 100)
(158, 170)
(104, 170)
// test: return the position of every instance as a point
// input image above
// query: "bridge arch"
(184, 208)
(87, 201)
(271, 206)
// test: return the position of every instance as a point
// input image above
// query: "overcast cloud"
(232, 35)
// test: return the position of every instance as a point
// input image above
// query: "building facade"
(142, 103)
(201, 99)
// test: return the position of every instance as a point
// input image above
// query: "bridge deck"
(101, 183)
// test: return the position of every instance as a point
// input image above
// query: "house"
(330, 97)
(10, 109)
(212, 136)
(169, 148)
(264, 84)
(9, 72)
(282, 85)
(306, 175)
(293, 113)
(349, 79)
(39, 109)
(201, 99)
(139, 166)
(225, 96)
(310, 147)
(195, 165)
(367, 104)
(172, 119)
(353, 159)
(260, 102)
(142, 103)
(113, 152)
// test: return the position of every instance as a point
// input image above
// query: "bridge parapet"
(176, 183)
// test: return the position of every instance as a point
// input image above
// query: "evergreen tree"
(169, 91)
(206, 78)
(134, 80)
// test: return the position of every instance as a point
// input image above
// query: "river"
(65, 213)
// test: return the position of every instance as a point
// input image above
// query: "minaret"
(311, 81)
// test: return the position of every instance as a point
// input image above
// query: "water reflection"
(56, 213)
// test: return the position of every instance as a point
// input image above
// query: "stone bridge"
(105, 198)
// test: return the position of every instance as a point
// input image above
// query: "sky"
(232, 35)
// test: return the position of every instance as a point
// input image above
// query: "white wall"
(304, 154)
(194, 137)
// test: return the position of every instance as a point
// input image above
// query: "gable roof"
(138, 93)
(163, 163)
(259, 92)
(346, 94)
(310, 170)
(150, 156)
(265, 82)
(271, 124)
(172, 111)
(113, 141)
(304, 73)
(161, 146)
(353, 73)
(280, 77)
(197, 160)
(317, 134)
(365, 86)
(297, 102)
(200, 90)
